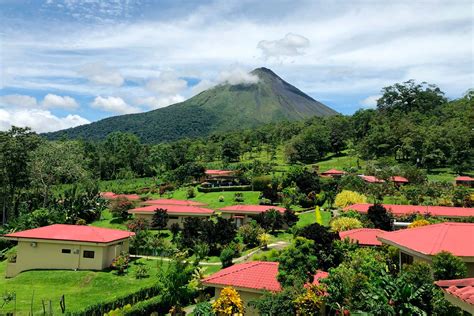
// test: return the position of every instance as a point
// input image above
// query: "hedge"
(146, 307)
(134, 298)
(222, 189)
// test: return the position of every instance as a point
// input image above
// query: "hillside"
(222, 108)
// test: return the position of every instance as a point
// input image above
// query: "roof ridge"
(248, 266)
(437, 243)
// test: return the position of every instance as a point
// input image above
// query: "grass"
(306, 219)
(212, 198)
(80, 288)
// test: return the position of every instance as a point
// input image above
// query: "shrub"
(81, 221)
(120, 263)
(346, 198)
(138, 224)
(142, 272)
(419, 223)
(166, 188)
(160, 218)
(226, 256)
(264, 239)
(379, 216)
(175, 229)
(447, 266)
(290, 218)
(119, 207)
(239, 197)
(261, 183)
(298, 263)
(309, 303)
(341, 224)
(203, 309)
(228, 302)
(221, 198)
(190, 193)
(270, 220)
(250, 232)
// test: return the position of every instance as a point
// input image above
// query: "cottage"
(113, 196)
(176, 213)
(219, 178)
(66, 247)
(251, 280)
(459, 292)
(173, 202)
(403, 210)
(363, 236)
(464, 181)
(333, 173)
(422, 243)
(242, 214)
(399, 180)
(371, 179)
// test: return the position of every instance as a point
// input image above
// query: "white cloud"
(101, 74)
(167, 83)
(114, 105)
(370, 101)
(39, 120)
(160, 102)
(237, 76)
(18, 100)
(57, 101)
(290, 45)
(202, 85)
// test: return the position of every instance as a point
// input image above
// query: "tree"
(119, 207)
(290, 218)
(249, 233)
(309, 146)
(137, 225)
(298, 263)
(226, 256)
(346, 198)
(228, 303)
(323, 240)
(230, 150)
(160, 218)
(270, 220)
(340, 224)
(309, 303)
(447, 266)
(379, 216)
(277, 303)
(307, 181)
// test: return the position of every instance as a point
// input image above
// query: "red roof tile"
(464, 178)
(212, 172)
(399, 210)
(364, 236)
(256, 275)
(73, 233)
(457, 238)
(399, 179)
(461, 288)
(173, 209)
(113, 196)
(173, 202)
(333, 172)
(250, 208)
(371, 179)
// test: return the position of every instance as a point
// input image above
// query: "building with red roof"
(251, 280)
(403, 210)
(218, 173)
(363, 236)
(113, 196)
(422, 243)
(67, 247)
(371, 179)
(333, 173)
(459, 292)
(464, 181)
(243, 213)
(399, 180)
(173, 202)
(176, 213)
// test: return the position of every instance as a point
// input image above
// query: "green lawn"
(108, 221)
(212, 198)
(81, 288)
(310, 218)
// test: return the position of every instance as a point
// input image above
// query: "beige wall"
(48, 255)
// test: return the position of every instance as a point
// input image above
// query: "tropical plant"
(228, 303)
(309, 303)
(264, 239)
(346, 198)
(249, 233)
(340, 224)
(446, 266)
(160, 218)
(380, 217)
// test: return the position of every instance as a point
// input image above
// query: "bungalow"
(363, 236)
(399, 180)
(371, 179)
(218, 178)
(173, 202)
(333, 173)
(422, 243)
(251, 280)
(66, 247)
(176, 213)
(464, 181)
(242, 214)
(403, 210)
(113, 196)
(459, 292)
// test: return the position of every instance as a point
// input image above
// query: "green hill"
(222, 108)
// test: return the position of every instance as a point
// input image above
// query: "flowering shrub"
(346, 198)
(120, 263)
(228, 303)
(419, 223)
(341, 224)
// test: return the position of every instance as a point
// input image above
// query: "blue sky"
(68, 62)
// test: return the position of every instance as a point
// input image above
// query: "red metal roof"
(461, 288)
(113, 196)
(213, 172)
(73, 233)
(364, 236)
(371, 179)
(464, 178)
(399, 210)
(333, 172)
(173, 209)
(251, 208)
(457, 238)
(399, 179)
(256, 275)
(173, 202)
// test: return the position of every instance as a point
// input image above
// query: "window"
(172, 217)
(66, 251)
(405, 258)
(88, 254)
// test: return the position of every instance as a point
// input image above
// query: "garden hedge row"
(222, 189)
